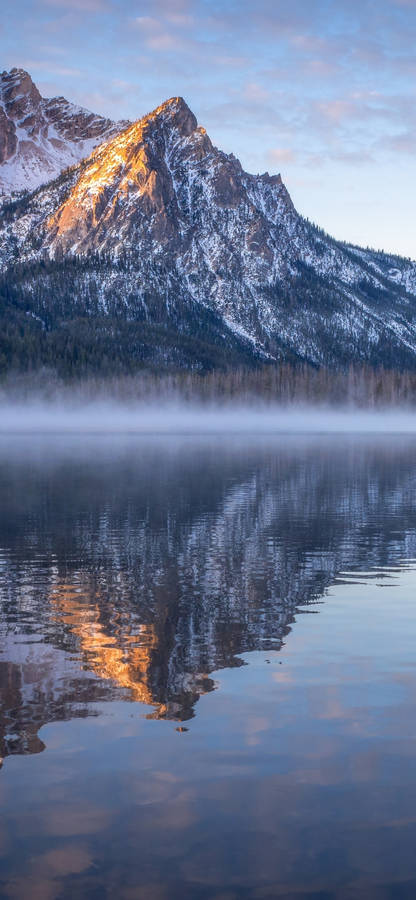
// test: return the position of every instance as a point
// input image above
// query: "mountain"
(159, 250)
(40, 137)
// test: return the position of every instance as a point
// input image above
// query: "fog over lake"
(164, 416)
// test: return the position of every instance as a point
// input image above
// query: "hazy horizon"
(175, 417)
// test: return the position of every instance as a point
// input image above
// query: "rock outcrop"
(40, 137)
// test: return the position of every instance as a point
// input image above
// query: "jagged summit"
(17, 90)
(38, 136)
(15, 72)
(178, 113)
(132, 189)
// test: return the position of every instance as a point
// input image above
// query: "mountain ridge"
(163, 230)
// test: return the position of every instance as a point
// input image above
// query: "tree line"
(285, 384)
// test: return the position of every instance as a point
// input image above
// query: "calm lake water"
(208, 668)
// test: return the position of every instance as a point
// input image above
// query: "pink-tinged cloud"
(283, 155)
(156, 36)
(148, 23)
(337, 110)
(163, 41)
(402, 143)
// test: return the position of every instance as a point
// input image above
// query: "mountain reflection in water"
(134, 570)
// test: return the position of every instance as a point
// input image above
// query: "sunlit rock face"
(170, 229)
(40, 137)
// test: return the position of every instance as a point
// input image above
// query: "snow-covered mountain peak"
(158, 225)
(156, 177)
(40, 137)
(18, 93)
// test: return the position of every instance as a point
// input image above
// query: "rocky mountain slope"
(161, 245)
(40, 137)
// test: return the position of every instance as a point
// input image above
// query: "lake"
(207, 667)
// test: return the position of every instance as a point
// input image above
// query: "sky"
(322, 91)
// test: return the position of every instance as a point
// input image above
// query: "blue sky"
(323, 91)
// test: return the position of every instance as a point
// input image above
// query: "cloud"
(156, 36)
(255, 91)
(82, 5)
(404, 143)
(163, 41)
(337, 110)
(32, 65)
(148, 23)
(284, 155)
(235, 62)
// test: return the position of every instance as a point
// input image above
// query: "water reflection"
(134, 571)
